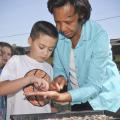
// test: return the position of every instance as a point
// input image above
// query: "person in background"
(6, 54)
(82, 60)
(1, 64)
(1, 58)
(42, 41)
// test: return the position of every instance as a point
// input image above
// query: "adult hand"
(58, 97)
(58, 83)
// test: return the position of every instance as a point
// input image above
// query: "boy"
(42, 41)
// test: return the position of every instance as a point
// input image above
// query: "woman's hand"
(58, 83)
(58, 97)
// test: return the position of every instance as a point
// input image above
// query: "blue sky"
(18, 16)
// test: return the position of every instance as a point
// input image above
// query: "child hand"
(35, 84)
(38, 83)
(41, 84)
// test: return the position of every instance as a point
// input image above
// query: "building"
(116, 51)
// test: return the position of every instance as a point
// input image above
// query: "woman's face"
(42, 47)
(66, 20)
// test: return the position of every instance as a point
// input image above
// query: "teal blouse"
(97, 74)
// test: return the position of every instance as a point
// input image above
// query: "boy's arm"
(13, 86)
(9, 87)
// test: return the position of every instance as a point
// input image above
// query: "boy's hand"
(36, 81)
(40, 84)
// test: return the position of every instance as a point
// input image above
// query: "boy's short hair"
(43, 27)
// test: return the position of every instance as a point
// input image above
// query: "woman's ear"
(81, 18)
(30, 41)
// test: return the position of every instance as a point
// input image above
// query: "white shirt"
(17, 67)
(73, 77)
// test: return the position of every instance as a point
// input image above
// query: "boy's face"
(42, 47)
